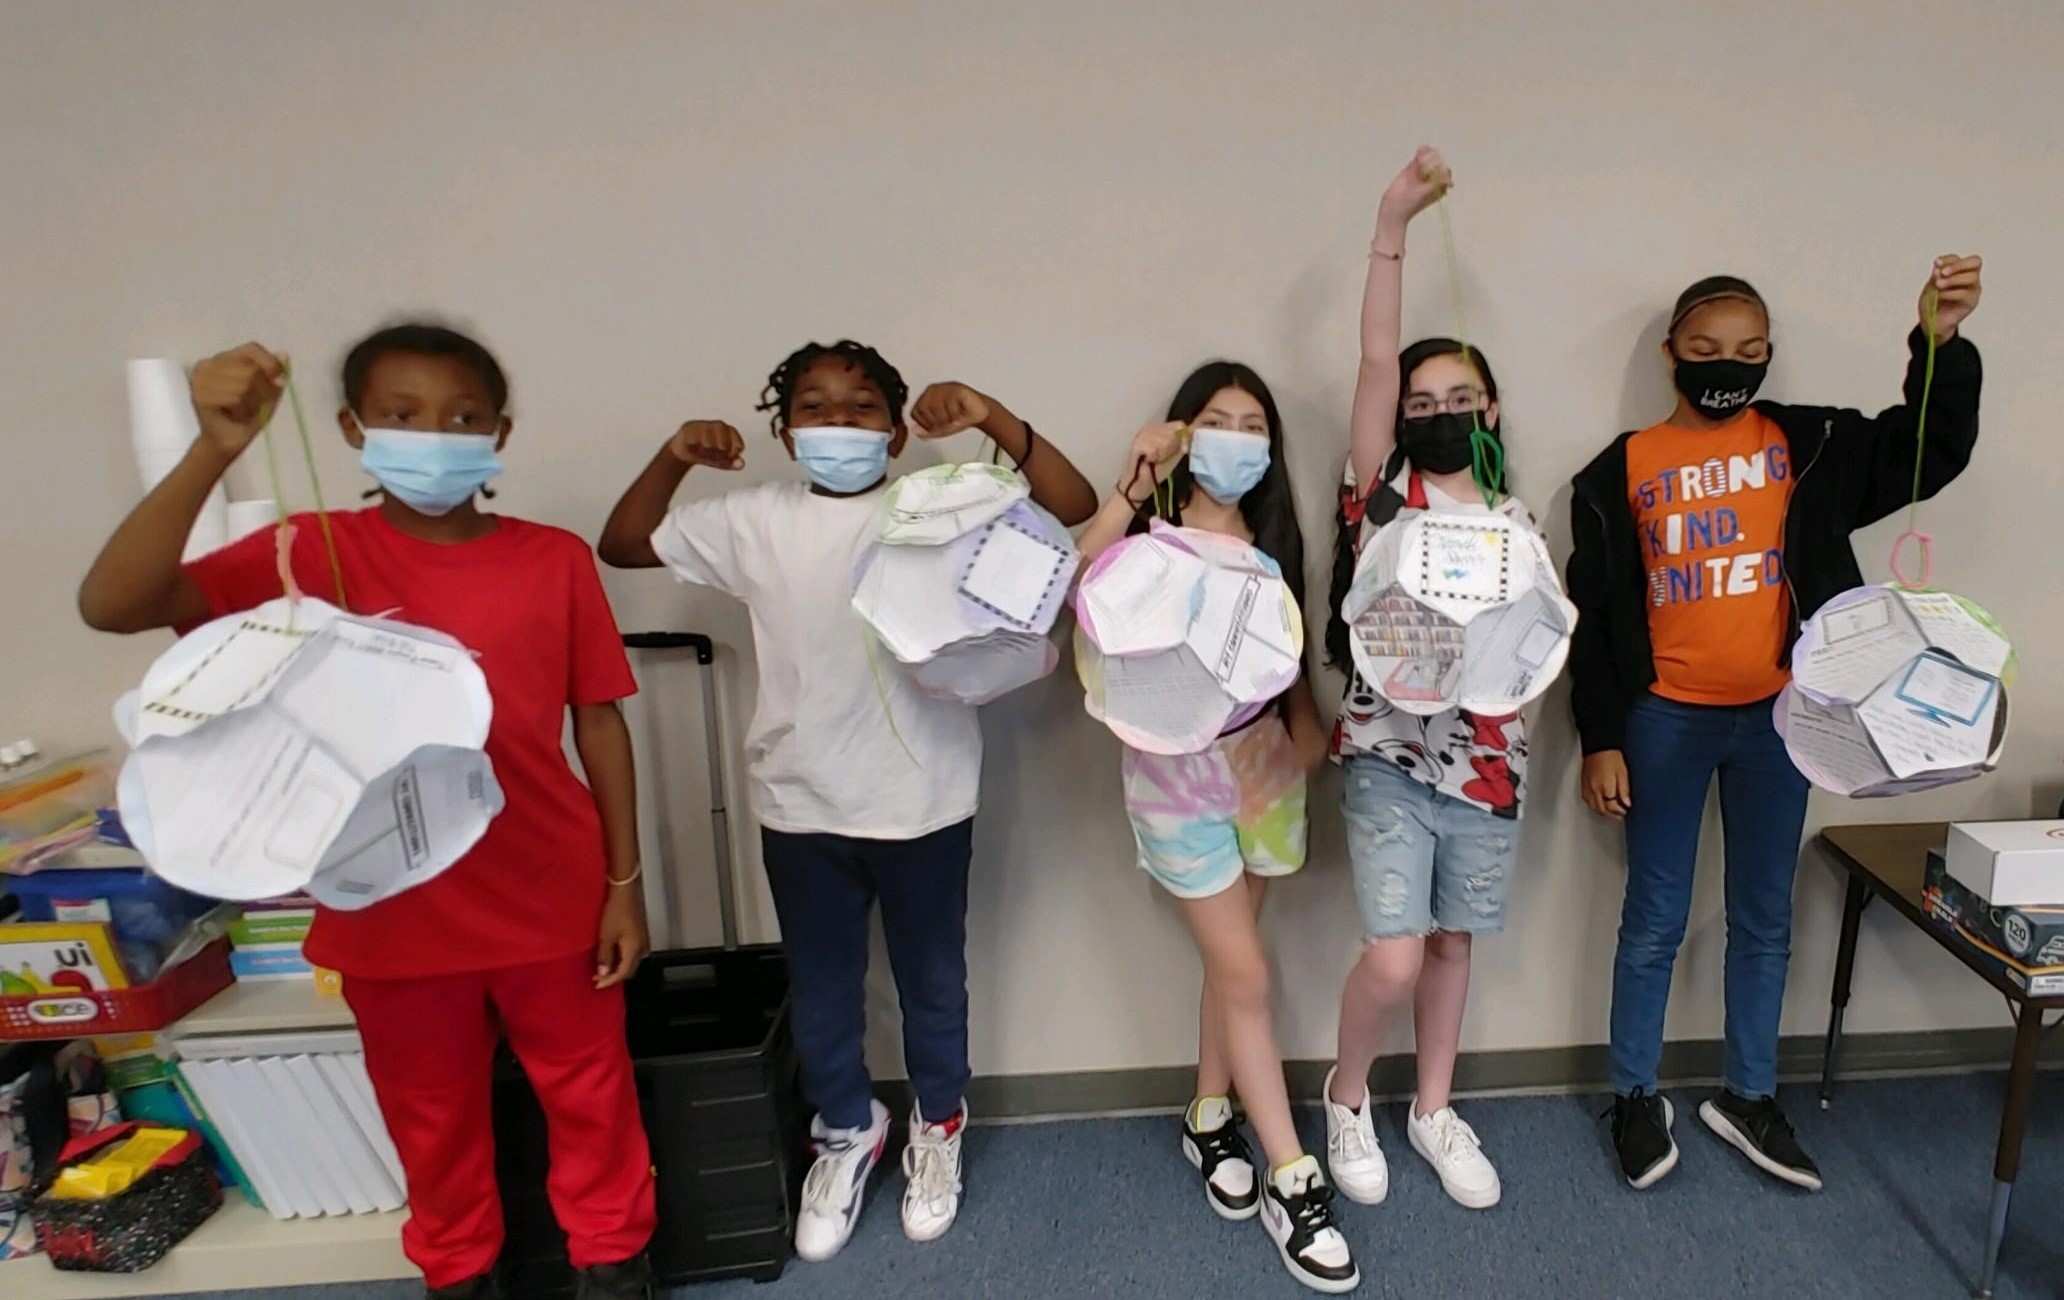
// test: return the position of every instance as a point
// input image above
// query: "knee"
(1389, 968)
(1242, 984)
(1444, 946)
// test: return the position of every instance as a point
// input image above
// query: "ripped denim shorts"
(1423, 860)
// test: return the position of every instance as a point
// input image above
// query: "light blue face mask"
(1227, 463)
(431, 473)
(842, 460)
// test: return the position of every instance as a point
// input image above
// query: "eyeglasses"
(1460, 401)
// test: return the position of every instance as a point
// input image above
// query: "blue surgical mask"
(431, 473)
(1227, 463)
(842, 460)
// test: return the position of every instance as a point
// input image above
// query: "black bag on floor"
(718, 1083)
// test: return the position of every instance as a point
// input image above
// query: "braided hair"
(781, 385)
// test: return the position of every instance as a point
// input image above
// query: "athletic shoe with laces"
(1297, 1210)
(629, 1280)
(1353, 1155)
(1641, 1134)
(1212, 1142)
(1456, 1154)
(1760, 1131)
(931, 1163)
(837, 1183)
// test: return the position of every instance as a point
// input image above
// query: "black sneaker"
(483, 1287)
(630, 1280)
(1759, 1130)
(1220, 1153)
(1641, 1134)
(1298, 1213)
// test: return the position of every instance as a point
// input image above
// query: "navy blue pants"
(824, 888)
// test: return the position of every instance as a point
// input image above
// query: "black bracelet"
(1031, 436)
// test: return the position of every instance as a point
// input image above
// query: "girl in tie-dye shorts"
(1203, 820)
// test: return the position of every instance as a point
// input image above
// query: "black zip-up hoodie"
(1852, 470)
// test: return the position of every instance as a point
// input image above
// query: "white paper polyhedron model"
(1894, 691)
(298, 747)
(1181, 635)
(965, 580)
(1457, 610)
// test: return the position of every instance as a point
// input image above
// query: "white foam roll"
(247, 517)
(162, 425)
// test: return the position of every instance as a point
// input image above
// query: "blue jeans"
(825, 887)
(1672, 752)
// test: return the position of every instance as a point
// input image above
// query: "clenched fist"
(708, 442)
(1954, 282)
(234, 393)
(946, 409)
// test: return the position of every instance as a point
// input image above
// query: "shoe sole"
(1327, 1285)
(1230, 1213)
(1668, 1162)
(1462, 1196)
(1723, 1128)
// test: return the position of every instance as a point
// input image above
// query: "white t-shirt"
(1472, 757)
(821, 753)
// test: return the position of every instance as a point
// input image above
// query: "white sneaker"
(932, 1164)
(1297, 1210)
(837, 1183)
(1456, 1154)
(1353, 1155)
(1212, 1142)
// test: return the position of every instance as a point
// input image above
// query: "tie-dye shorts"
(1202, 820)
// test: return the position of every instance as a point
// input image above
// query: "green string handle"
(1486, 453)
(279, 496)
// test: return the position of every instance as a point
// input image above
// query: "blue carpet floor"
(1107, 1208)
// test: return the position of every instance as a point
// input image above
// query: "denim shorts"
(1423, 860)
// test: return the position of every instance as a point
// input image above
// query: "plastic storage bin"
(718, 1085)
(145, 913)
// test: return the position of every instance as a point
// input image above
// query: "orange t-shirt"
(1709, 508)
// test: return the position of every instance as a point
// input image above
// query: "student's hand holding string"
(1155, 449)
(1604, 784)
(1953, 282)
(234, 393)
(943, 410)
(1415, 189)
(708, 442)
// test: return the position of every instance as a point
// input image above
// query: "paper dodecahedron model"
(298, 747)
(965, 581)
(1895, 691)
(1452, 610)
(1181, 635)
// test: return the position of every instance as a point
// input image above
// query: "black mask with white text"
(1720, 389)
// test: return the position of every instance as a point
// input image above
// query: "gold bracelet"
(627, 880)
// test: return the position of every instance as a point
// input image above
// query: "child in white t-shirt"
(853, 807)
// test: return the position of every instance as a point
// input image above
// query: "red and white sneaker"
(932, 1164)
(837, 1183)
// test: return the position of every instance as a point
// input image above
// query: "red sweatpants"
(429, 1046)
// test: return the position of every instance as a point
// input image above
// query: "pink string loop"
(1927, 545)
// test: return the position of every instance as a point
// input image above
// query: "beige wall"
(644, 206)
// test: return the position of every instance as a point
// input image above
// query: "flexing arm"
(627, 538)
(136, 583)
(946, 409)
(604, 745)
(1374, 422)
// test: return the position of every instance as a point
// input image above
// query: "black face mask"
(1439, 444)
(1719, 389)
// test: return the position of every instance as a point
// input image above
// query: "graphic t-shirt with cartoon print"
(1476, 758)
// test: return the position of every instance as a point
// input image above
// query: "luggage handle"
(704, 651)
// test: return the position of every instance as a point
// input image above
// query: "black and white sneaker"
(1297, 1210)
(1641, 1134)
(1760, 1131)
(1212, 1142)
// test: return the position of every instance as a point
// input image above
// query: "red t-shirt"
(527, 601)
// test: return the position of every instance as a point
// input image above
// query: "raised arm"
(627, 538)
(136, 583)
(946, 409)
(1154, 452)
(1374, 424)
(1885, 444)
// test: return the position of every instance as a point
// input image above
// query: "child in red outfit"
(531, 934)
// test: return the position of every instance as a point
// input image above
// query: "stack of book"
(266, 940)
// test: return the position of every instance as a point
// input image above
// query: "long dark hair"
(1267, 509)
(1347, 520)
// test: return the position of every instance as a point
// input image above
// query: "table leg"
(1858, 897)
(2006, 1164)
